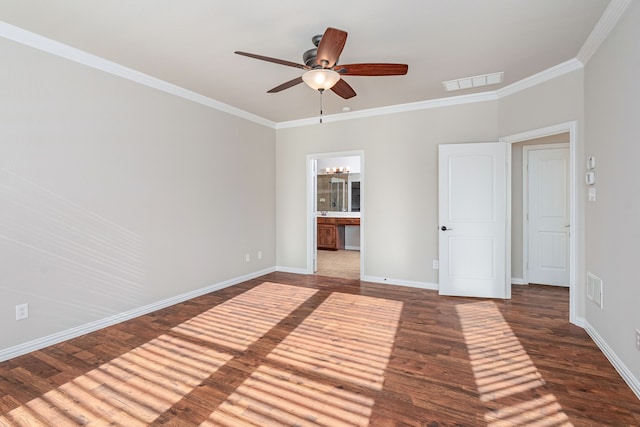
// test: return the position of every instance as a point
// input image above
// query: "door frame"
(570, 127)
(525, 202)
(312, 230)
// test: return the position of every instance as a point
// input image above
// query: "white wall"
(400, 222)
(114, 196)
(612, 103)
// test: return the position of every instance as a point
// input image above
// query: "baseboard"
(351, 248)
(291, 270)
(401, 282)
(518, 281)
(40, 343)
(579, 321)
(625, 373)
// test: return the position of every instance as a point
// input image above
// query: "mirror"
(338, 192)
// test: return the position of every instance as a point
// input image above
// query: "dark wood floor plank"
(452, 362)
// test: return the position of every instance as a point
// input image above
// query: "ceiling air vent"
(475, 81)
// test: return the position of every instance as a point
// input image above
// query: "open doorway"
(561, 133)
(335, 210)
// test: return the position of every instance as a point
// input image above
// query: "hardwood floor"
(298, 350)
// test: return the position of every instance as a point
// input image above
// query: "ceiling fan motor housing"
(309, 57)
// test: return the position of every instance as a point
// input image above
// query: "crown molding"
(392, 109)
(541, 77)
(607, 22)
(53, 47)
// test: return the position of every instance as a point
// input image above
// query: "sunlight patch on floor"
(272, 397)
(504, 371)
(348, 338)
(244, 319)
(542, 411)
(347, 341)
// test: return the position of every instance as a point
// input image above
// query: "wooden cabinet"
(331, 232)
(327, 234)
(348, 221)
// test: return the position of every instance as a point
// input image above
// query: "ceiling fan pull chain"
(321, 92)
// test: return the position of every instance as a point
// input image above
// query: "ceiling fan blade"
(274, 60)
(286, 85)
(343, 89)
(372, 69)
(330, 47)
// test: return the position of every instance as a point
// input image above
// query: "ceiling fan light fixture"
(321, 79)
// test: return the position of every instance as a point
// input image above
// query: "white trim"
(570, 127)
(541, 77)
(600, 32)
(525, 200)
(400, 282)
(518, 281)
(282, 269)
(618, 364)
(580, 321)
(392, 109)
(539, 133)
(508, 222)
(40, 343)
(64, 51)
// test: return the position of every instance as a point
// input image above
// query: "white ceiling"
(190, 43)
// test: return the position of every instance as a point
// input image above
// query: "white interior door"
(473, 244)
(548, 228)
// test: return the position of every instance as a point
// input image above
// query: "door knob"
(444, 228)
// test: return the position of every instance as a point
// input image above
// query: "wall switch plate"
(247, 257)
(259, 254)
(436, 264)
(22, 311)
(592, 194)
(590, 178)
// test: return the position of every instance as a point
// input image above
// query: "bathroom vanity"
(331, 231)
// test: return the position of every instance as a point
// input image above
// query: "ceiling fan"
(323, 72)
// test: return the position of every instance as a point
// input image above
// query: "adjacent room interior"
(337, 212)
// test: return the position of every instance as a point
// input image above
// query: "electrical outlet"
(436, 264)
(637, 339)
(247, 257)
(259, 254)
(22, 311)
